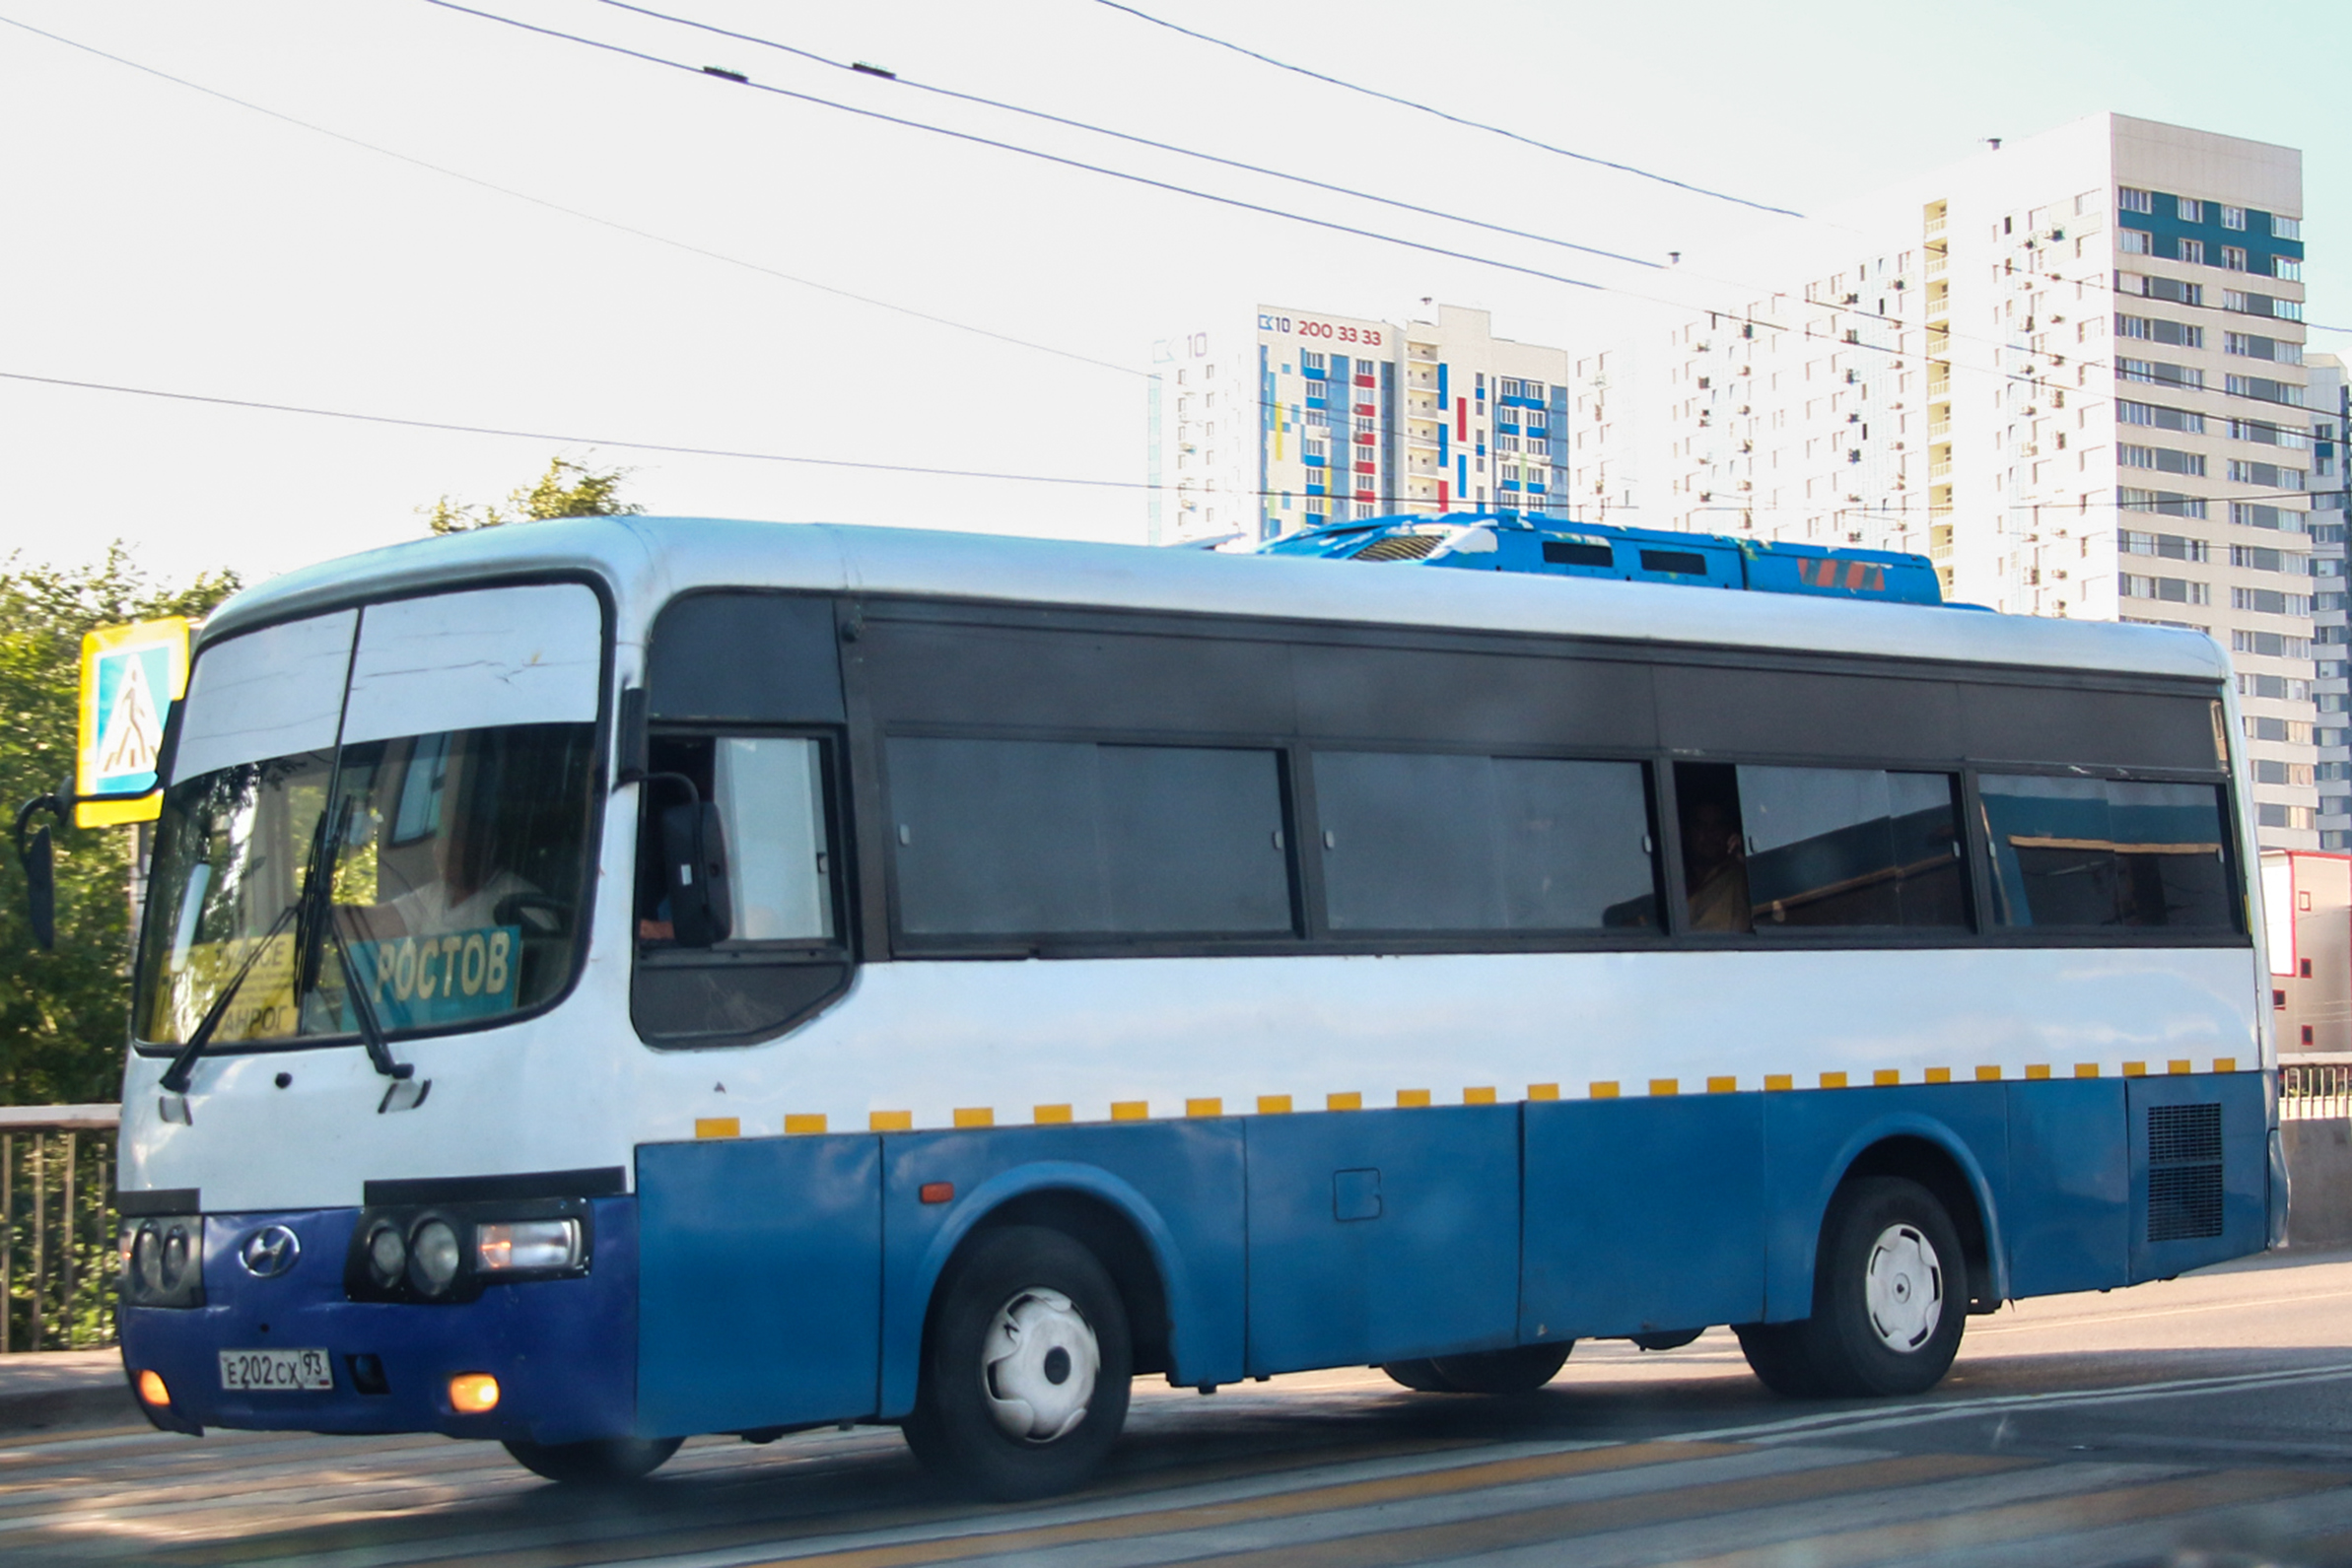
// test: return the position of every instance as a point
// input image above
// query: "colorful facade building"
(1315, 417)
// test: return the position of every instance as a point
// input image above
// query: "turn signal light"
(473, 1392)
(152, 1389)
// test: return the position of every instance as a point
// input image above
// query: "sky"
(481, 226)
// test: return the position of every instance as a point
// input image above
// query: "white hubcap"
(1037, 1366)
(1903, 1288)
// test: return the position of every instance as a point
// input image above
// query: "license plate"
(275, 1371)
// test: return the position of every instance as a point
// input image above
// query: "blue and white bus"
(610, 981)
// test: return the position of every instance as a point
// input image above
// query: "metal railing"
(2315, 1091)
(57, 1199)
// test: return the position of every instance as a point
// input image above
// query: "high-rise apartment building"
(2330, 403)
(1313, 418)
(2069, 369)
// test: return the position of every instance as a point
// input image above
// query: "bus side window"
(771, 798)
(1706, 798)
(779, 952)
(2090, 852)
(1777, 849)
(1431, 842)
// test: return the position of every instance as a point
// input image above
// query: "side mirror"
(694, 873)
(38, 858)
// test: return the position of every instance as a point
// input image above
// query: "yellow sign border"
(172, 632)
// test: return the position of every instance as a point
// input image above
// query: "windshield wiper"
(362, 1007)
(175, 1076)
(321, 922)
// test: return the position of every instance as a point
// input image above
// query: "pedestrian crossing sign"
(131, 675)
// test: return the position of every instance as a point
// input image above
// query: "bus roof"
(646, 560)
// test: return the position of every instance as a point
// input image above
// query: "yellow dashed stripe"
(810, 1123)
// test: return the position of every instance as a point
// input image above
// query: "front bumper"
(564, 1351)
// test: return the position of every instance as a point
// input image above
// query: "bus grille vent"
(1400, 547)
(2178, 1134)
(2184, 1171)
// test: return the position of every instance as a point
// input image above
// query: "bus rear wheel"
(1890, 1299)
(1025, 1367)
(610, 1461)
(1522, 1369)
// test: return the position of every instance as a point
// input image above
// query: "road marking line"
(1563, 1522)
(1278, 1505)
(1922, 1537)
(2159, 1312)
(1848, 1422)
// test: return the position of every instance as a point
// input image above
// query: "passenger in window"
(1714, 850)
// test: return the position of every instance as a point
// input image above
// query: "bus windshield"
(456, 863)
(396, 796)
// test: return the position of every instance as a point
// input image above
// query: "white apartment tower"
(2330, 403)
(2070, 371)
(1314, 418)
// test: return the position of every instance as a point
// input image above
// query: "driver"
(465, 891)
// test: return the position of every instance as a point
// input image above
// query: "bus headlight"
(526, 1244)
(433, 1258)
(387, 1255)
(447, 1253)
(163, 1262)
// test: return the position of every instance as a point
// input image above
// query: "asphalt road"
(2207, 1420)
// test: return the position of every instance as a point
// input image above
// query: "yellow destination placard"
(131, 675)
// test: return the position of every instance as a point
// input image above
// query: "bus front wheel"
(610, 1461)
(1890, 1299)
(1025, 1367)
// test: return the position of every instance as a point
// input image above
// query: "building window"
(2193, 252)
(2128, 199)
(2190, 209)
(2286, 267)
(1311, 362)
(2233, 217)
(2174, 590)
(2170, 546)
(2128, 242)
(2270, 476)
(2233, 257)
(2285, 228)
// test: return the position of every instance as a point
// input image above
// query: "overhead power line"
(1458, 119)
(1089, 127)
(740, 79)
(1039, 154)
(601, 222)
(565, 438)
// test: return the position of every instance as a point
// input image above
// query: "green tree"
(567, 490)
(63, 1013)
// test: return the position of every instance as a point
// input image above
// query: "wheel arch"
(1122, 1228)
(1924, 1150)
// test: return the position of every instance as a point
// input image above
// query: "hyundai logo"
(269, 1251)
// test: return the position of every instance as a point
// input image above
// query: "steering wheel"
(536, 913)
